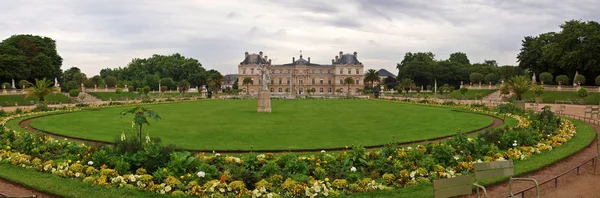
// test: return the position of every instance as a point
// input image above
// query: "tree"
(97, 80)
(460, 58)
(538, 90)
(24, 83)
(371, 76)
(492, 63)
(214, 81)
(235, 84)
(69, 74)
(152, 81)
(313, 90)
(348, 81)
(476, 77)
(507, 72)
(519, 85)
(546, 78)
(74, 93)
(562, 79)
(491, 78)
(579, 79)
(390, 82)
(68, 86)
(183, 85)
(146, 90)
(582, 92)
(110, 81)
(246, 82)
(406, 84)
(463, 91)
(141, 115)
(598, 80)
(168, 82)
(40, 89)
(29, 57)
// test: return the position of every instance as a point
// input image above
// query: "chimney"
(246, 54)
(293, 59)
(269, 61)
(336, 58)
(309, 60)
(267, 57)
(341, 54)
(355, 54)
(332, 61)
(260, 54)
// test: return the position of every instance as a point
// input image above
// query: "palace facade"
(301, 75)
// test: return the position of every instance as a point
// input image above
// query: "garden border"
(496, 122)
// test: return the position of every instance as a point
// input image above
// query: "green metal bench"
(498, 169)
(452, 187)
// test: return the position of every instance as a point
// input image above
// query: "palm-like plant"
(348, 81)
(141, 115)
(519, 85)
(40, 89)
(406, 84)
(183, 85)
(247, 81)
(372, 76)
(214, 81)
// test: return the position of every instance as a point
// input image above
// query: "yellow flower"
(7, 147)
(69, 161)
(326, 179)
(317, 164)
(346, 147)
(182, 177)
(164, 170)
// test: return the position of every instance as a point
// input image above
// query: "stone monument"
(264, 96)
(204, 91)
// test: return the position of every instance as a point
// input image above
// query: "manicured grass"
(106, 96)
(294, 124)
(174, 94)
(52, 184)
(10, 100)
(472, 94)
(593, 98)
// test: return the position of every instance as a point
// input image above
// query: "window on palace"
(341, 71)
(288, 81)
(271, 90)
(321, 81)
(357, 82)
(341, 82)
(329, 81)
(300, 81)
(349, 72)
(313, 81)
(280, 90)
(252, 71)
(329, 90)
(356, 90)
(244, 71)
(280, 81)
(357, 71)
(321, 71)
(321, 90)
(329, 71)
(272, 81)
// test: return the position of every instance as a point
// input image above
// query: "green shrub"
(546, 78)
(527, 137)
(562, 79)
(74, 93)
(270, 168)
(122, 167)
(583, 92)
(538, 90)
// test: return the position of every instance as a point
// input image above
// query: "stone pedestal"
(264, 101)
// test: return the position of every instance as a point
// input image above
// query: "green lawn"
(10, 100)
(472, 94)
(552, 96)
(106, 96)
(294, 124)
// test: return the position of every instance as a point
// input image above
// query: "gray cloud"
(97, 34)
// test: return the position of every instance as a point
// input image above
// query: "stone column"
(264, 101)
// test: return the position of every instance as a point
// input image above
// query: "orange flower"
(103, 166)
(223, 178)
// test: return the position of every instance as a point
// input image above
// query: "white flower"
(201, 174)
(222, 190)
(218, 154)
(147, 139)
(456, 157)
(90, 163)
(353, 169)
(409, 148)
(65, 138)
(322, 151)
(77, 174)
(123, 138)
(168, 188)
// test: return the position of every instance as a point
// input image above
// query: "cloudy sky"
(108, 33)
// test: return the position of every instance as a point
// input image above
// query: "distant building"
(383, 74)
(229, 80)
(301, 75)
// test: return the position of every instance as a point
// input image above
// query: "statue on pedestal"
(264, 96)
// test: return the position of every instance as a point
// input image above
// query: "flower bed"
(160, 169)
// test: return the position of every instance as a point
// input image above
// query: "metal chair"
(498, 169)
(561, 109)
(452, 187)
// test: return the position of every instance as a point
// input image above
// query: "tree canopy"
(27, 57)
(573, 49)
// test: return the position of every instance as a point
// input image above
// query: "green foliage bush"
(582, 92)
(546, 78)
(74, 93)
(562, 79)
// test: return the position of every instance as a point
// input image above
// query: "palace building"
(301, 75)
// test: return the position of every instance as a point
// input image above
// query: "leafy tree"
(546, 78)
(141, 115)
(390, 82)
(40, 89)
(164, 88)
(463, 91)
(598, 80)
(562, 79)
(168, 82)
(519, 85)
(406, 84)
(490, 63)
(110, 81)
(74, 93)
(183, 85)
(505, 89)
(68, 86)
(118, 91)
(371, 76)
(69, 74)
(538, 90)
(97, 80)
(29, 57)
(313, 90)
(582, 92)
(235, 84)
(146, 90)
(152, 81)
(6, 85)
(348, 81)
(476, 77)
(507, 72)
(460, 58)
(247, 82)
(491, 78)
(214, 81)
(24, 83)
(579, 79)
(79, 78)
(88, 83)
